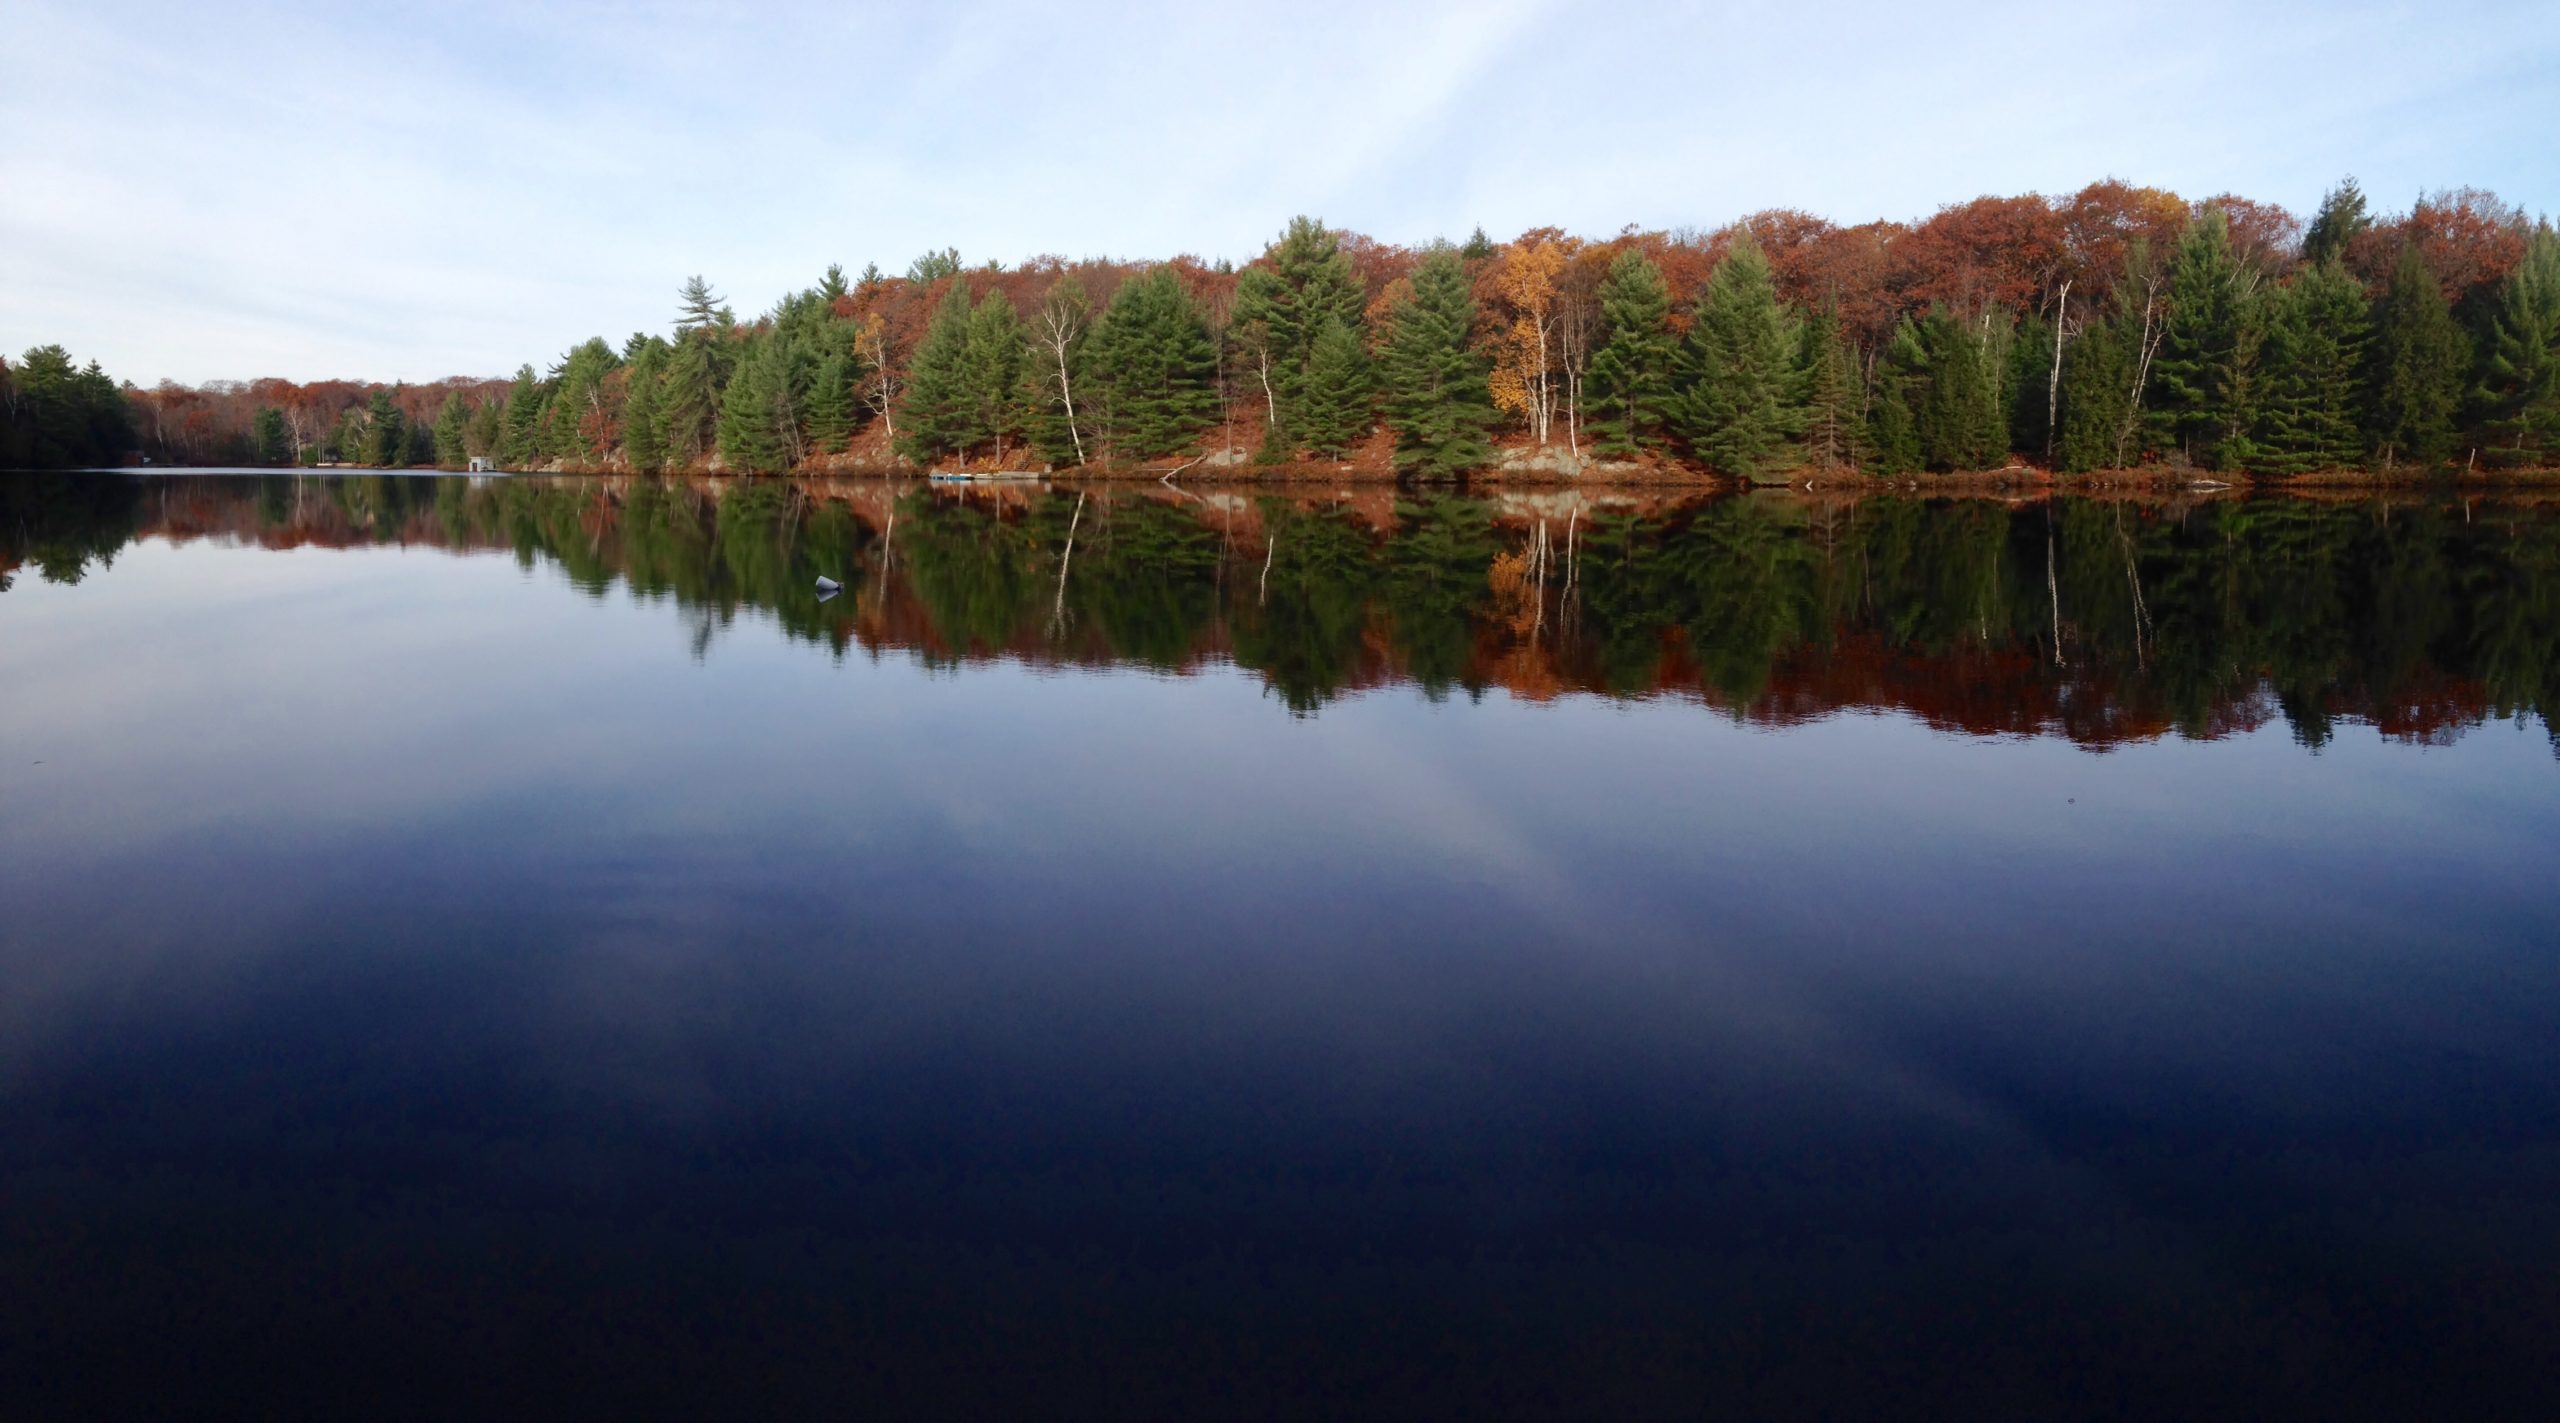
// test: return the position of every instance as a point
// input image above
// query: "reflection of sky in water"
(425, 880)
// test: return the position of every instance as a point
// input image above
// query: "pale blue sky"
(196, 191)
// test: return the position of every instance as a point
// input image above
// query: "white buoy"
(826, 584)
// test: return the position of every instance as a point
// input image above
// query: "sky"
(195, 192)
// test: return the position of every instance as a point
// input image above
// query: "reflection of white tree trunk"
(2052, 587)
(1058, 609)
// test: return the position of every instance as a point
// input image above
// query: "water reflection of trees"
(2095, 620)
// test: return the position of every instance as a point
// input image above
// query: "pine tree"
(2312, 415)
(2097, 397)
(689, 399)
(992, 371)
(520, 447)
(2418, 359)
(698, 307)
(935, 418)
(268, 443)
(449, 450)
(2201, 378)
(830, 404)
(644, 442)
(483, 431)
(833, 287)
(1304, 280)
(1741, 396)
(2520, 353)
(1627, 389)
(386, 442)
(1834, 432)
(2341, 218)
(2030, 365)
(1479, 247)
(1154, 366)
(750, 441)
(1962, 411)
(1436, 393)
(1893, 421)
(579, 417)
(1334, 402)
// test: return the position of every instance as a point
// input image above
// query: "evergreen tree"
(2097, 397)
(833, 287)
(830, 406)
(992, 371)
(698, 307)
(2312, 414)
(936, 417)
(1334, 401)
(1479, 247)
(1154, 366)
(1436, 393)
(1834, 430)
(386, 444)
(1893, 422)
(1627, 389)
(268, 442)
(1304, 281)
(689, 399)
(750, 441)
(483, 431)
(644, 438)
(579, 417)
(449, 450)
(520, 446)
(1962, 414)
(2031, 357)
(2341, 218)
(2520, 353)
(2201, 379)
(2418, 360)
(63, 415)
(1742, 396)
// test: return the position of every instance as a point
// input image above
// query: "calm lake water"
(473, 946)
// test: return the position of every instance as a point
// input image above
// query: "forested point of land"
(2118, 329)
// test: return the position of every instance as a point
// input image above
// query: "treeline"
(2117, 328)
(55, 414)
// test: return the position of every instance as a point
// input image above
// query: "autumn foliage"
(1973, 337)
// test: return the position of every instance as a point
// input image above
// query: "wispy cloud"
(200, 191)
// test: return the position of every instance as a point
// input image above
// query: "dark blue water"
(451, 968)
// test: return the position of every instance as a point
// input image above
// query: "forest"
(2117, 329)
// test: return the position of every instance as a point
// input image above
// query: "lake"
(485, 946)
